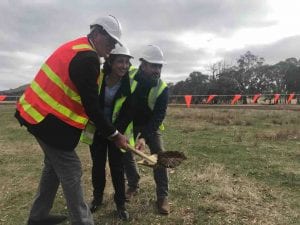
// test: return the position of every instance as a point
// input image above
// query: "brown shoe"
(163, 205)
(130, 193)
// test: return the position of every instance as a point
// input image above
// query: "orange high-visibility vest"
(53, 92)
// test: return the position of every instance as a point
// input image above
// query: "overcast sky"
(193, 34)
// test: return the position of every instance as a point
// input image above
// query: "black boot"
(122, 213)
(95, 204)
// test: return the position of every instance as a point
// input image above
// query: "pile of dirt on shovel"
(170, 159)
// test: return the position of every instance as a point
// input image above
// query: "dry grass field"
(243, 167)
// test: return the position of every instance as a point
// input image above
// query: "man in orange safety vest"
(55, 109)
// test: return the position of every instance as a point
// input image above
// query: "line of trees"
(248, 76)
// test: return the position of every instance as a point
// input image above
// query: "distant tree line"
(248, 76)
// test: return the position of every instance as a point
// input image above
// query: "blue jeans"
(61, 167)
(160, 174)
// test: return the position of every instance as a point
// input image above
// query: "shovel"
(151, 160)
(167, 159)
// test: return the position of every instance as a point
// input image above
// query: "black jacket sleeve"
(84, 70)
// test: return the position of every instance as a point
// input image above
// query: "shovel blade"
(170, 159)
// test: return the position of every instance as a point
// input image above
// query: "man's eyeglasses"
(110, 39)
(106, 35)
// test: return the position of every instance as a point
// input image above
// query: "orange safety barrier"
(256, 97)
(188, 99)
(276, 98)
(291, 96)
(210, 98)
(235, 99)
(2, 97)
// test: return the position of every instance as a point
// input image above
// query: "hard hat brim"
(153, 61)
(115, 38)
(129, 56)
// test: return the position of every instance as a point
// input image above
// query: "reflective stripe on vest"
(35, 116)
(129, 130)
(154, 93)
(83, 47)
(119, 102)
(130, 135)
(88, 132)
(55, 105)
(100, 81)
(57, 80)
(53, 92)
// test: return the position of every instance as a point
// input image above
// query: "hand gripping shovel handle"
(141, 154)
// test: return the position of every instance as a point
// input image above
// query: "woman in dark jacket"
(114, 83)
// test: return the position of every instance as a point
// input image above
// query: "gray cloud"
(272, 53)
(31, 30)
(280, 50)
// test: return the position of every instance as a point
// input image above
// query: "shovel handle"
(141, 154)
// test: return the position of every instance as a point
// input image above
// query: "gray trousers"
(160, 174)
(61, 167)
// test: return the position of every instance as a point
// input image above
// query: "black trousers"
(100, 149)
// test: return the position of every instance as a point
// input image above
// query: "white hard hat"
(111, 25)
(121, 50)
(153, 54)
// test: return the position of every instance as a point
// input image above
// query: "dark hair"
(107, 68)
(95, 29)
(107, 64)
